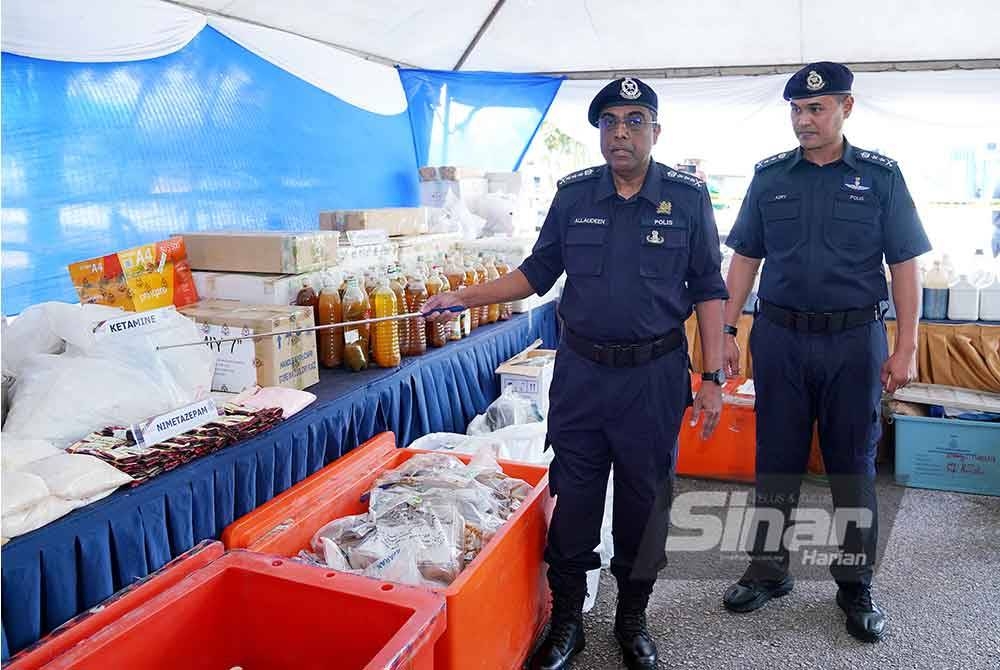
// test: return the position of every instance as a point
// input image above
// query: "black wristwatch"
(729, 330)
(719, 377)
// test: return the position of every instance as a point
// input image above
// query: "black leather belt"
(624, 355)
(820, 322)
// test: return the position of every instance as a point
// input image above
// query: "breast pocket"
(584, 250)
(782, 217)
(854, 231)
(663, 251)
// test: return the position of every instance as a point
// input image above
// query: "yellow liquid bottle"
(492, 311)
(386, 335)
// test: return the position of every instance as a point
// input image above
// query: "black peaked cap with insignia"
(815, 79)
(624, 91)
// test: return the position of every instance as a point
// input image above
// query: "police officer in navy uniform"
(823, 215)
(640, 249)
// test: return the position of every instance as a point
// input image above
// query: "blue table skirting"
(74, 563)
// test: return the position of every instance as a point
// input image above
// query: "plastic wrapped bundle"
(427, 520)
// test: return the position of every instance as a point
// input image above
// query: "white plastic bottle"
(989, 300)
(963, 300)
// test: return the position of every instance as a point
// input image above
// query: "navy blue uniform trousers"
(601, 416)
(832, 380)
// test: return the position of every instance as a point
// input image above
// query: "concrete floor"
(939, 582)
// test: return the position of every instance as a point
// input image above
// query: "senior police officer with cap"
(823, 215)
(639, 246)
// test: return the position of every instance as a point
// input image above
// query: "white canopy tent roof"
(580, 36)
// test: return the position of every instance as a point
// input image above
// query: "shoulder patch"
(684, 178)
(773, 160)
(877, 159)
(581, 175)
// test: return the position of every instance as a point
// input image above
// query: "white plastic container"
(963, 300)
(935, 293)
(989, 300)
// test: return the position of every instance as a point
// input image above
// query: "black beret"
(625, 91)
(823, 78)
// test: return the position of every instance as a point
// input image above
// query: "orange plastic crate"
(254, 611)
(93, 620)
(497, 606)
(731, 452)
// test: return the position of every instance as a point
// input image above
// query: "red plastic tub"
(90, 622)
(497, 606)
(257, 612)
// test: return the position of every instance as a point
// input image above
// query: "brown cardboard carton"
(282, 360)
(271, 252)
(393, 220)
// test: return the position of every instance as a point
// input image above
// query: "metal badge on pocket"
(654, 237)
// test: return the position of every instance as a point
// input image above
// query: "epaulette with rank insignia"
(773, 160)
(684, 178)
(877, 159)
(582, 175)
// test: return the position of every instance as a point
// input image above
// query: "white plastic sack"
(43, 512)
(456, 211)
(456, 443)
(16, 453)
(77, 476)
(499, 210)
(192, 368)
(64, 398)
(45, 328)
(22, 491)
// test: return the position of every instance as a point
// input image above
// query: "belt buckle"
(801, 321)
(621, 355)
(827, 321)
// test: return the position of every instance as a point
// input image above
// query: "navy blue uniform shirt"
(824, 230)
(635, 267)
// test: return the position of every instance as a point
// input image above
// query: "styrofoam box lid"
(949, 396)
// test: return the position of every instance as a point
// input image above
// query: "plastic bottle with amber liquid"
(472, 279)
(330, 342)
(397, 282)
(356, 307)
(456, 281)
(484, 310)
(437, 335)
(371, 283)
(506, 308)
(307, 298)
(385, 334)
(492, 311)
(416, 296)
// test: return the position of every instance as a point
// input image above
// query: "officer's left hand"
(708, 406)
(899, 370)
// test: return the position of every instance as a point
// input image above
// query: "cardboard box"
(530, 374)
(259, 289)
(448, 173)
(148, 277)
(283, 360)
(273, 252)
(393, 220)
(435, 193)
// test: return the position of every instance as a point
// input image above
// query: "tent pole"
(479, 34)
(753, 70)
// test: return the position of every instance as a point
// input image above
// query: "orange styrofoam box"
(498, 605)
(93, 620)
(254, 611)
(731, 452)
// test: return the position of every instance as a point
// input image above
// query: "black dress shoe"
(865, 621)
(750, 593)
(638, 648)
(564, 641)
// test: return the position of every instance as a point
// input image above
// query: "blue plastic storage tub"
(948, 454)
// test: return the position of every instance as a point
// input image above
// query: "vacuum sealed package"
(427, 520)
(510, 409)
